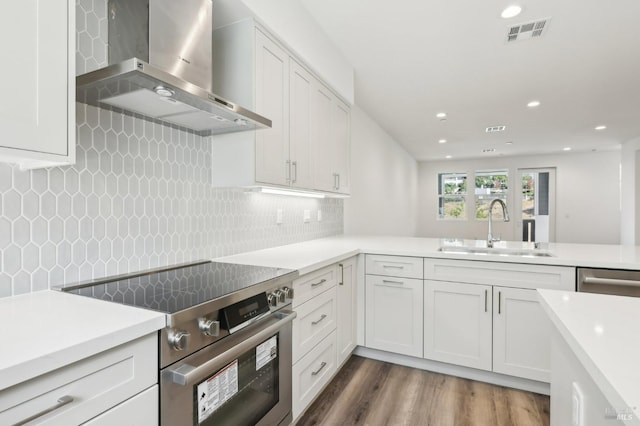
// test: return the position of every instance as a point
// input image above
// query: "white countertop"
(47, 330)
(315, 254)
(603, 331)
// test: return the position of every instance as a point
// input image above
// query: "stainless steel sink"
(485, 251)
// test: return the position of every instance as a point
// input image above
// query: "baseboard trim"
(455, 370)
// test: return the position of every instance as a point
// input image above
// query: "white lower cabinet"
(457, 323)
(324, 331)
(83, 390)
(315, 320)
(521, 330)
(346, 309)
(393, 314)
(312, 372)
(141, 410)
(500, 328)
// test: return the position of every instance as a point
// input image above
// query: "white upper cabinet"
(300, 154)
(37, 113)
(332, 141)
(342, 146)
(271, 93)
(308, 144)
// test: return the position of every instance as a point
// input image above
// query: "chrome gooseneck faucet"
(505, 214)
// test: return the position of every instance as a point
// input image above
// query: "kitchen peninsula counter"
(602, 333)
(310, 255)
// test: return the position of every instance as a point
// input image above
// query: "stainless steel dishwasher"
(609, 281)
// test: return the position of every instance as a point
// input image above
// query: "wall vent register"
(527, 31)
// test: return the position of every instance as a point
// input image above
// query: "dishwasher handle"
(610, 281)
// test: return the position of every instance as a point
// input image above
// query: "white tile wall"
(138, 197)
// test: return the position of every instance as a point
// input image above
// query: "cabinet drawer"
(96, 384)
(503, 274)
(141, 410)
(314, 283)
(312, 372)
(316, 319)
(394, 266)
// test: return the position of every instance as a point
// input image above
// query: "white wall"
(587, 197)
(383, 182)
(630, 220)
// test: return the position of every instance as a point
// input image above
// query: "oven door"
(244, 379)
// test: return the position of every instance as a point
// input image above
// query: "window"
(489, 186)
(452, 194)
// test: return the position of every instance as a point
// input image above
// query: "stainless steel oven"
(225, 354)
(245, 379)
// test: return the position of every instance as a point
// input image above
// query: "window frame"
(503, 194)
(461, 196)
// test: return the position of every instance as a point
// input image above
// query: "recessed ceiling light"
(442, 141)
(511, 11)
(448, 156)
(566, 148)
(533, 104)
(441, 115)
(601, 127)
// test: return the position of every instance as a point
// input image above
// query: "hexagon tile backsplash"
(139, 196)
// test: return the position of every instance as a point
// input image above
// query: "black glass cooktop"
(177, 289)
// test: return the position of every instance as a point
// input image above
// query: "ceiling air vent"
(528, 30)
(493, 129)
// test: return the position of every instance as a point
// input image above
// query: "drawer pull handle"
(392, 267)
(320, 320)
(392, 282)
(322, 281)
(61, 402)
(486, 293)
(499, 302)
(323, 365)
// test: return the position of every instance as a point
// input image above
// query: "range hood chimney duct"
(160, 67)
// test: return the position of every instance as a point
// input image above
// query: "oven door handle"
(186, 374)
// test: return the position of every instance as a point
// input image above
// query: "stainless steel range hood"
(146, 39)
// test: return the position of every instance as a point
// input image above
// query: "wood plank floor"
(370, 392)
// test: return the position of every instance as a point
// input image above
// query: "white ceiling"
(415, 58)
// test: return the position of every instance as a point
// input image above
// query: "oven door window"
(243, 391)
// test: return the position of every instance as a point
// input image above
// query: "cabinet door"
(346, 324)
(393, 314)
(457, 323)
(342, 146)
(272, 101)
(301, 83)
(321, 133)
(521, 334)
(35, 115)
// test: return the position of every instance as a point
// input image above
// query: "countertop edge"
(144, 323)
(608, 390)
